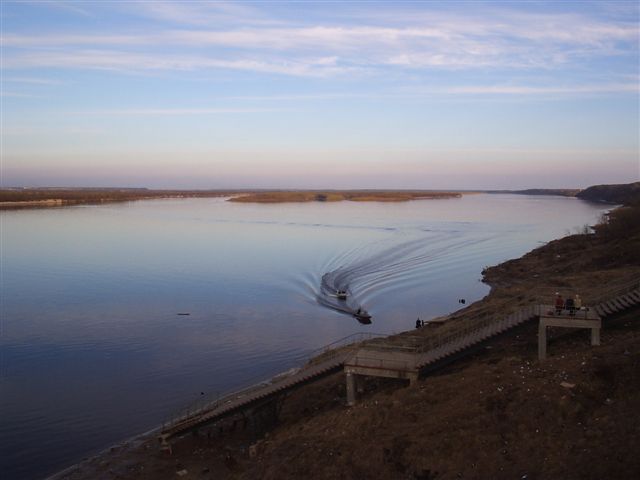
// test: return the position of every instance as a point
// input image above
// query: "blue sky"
(357, 94)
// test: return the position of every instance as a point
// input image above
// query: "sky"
(332, 94)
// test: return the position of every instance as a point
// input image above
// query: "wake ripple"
(359, 275)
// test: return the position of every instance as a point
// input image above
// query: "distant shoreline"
(61, 197)
(54, 197)
(22, 198)
(29, 198)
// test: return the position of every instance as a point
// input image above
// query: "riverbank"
(16, 198)
(496, 414)
(19, 198)
(60, 197)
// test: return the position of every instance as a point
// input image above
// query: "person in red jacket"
(559, 304)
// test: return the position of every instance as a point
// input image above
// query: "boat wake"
(360, 275)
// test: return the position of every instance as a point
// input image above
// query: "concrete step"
(210, 414)
(625, 301)
(612, 307)
(619, 305)
(607, 309)
(628, 300)
(600, 311)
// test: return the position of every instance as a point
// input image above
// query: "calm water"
(92, 348)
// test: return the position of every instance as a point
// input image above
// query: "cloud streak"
(129, 62)
(511, 40)
(161, 112)
(538, 90)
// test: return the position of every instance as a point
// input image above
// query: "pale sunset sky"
(330, 94)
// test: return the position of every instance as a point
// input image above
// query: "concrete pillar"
(413, 379)
(165, 446)
(542, 341)
(351, 389)
(595, 336)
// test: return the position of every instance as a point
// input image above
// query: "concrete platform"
(586, 318)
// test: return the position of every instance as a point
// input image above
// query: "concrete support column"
(413, 379)
(351, 389)
(542, 341)
(595, 336)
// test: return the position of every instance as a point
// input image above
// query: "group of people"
(569, 304)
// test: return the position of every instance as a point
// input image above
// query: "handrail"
(377, 362)
(215, 399)
(357, 337)
(481, 324)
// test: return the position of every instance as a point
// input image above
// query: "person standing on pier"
(559, 304)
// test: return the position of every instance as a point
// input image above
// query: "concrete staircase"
(397, 357)
(330, 358)
(407, 360)
(618, 304)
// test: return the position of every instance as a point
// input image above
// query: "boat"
(362, 315)
(341, 294)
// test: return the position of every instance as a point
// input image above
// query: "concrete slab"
(590, 321)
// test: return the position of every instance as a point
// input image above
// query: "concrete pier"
(580, 319)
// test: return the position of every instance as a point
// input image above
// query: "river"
(115, 316)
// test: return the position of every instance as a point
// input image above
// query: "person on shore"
(559, 304)
(570, 306)
(577, 302)
(418, 323)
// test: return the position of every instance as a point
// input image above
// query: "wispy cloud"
(507, 39)
(156, 112)
(32, 81)
(539, 90)
(72, 7)
(5, 93)
(460, 90)
(459, 31)
(197, 13)
(126, 61)
(30, 131)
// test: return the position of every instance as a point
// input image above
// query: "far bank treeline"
(52, 197)
(342, 195)
(70, 196)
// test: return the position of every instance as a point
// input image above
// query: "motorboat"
(341, 294)
(362, 315)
